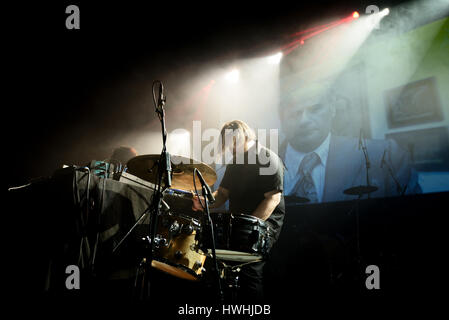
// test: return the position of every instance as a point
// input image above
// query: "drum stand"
(231, 276)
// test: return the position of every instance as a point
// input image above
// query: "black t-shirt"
(247, 184)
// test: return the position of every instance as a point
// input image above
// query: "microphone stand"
(399, 188)
(367, 164)
(360, 191)
(209, 220)
(164, 169)
(154, 210)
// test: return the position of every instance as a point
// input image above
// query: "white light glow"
(275, 59)
(233, 76)
(385, 12)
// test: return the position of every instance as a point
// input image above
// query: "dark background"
(64, 92)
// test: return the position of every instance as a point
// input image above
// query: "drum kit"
(183, 242)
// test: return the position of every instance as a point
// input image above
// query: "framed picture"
(429, 148)
(414, 103)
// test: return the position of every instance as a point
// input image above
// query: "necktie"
(305, 187)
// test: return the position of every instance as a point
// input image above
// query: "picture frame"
(413, 103)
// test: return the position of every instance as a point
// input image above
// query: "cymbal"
(359, 190)
(145, 167)
(296, 199)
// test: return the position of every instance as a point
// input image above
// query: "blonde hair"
(241, 133)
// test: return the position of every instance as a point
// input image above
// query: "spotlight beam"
(309, 33)
(275, 59)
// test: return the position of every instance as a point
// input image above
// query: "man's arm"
(221, 196)
(267, 206)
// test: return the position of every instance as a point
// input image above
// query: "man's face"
(233, 145)
(306, 123)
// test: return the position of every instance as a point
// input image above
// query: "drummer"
(251, 191)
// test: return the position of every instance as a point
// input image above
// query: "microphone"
(168, 170)
(161, 100)
(383, 159)
(210, 196)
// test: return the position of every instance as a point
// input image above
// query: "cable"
(195, 172)
(155, 101)
(20, 187)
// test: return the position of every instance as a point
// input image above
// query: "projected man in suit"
(321, 165)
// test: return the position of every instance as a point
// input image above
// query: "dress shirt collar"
(322, 151)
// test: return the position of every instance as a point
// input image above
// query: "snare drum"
(176, 249)
(238, 237)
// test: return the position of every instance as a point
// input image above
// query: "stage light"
(355, 15)
(385, 12)
(233, 76)
(275, 59)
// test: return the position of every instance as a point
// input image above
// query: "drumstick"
(194, 194)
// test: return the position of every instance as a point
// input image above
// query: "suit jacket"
(346, 168)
